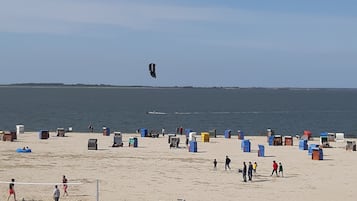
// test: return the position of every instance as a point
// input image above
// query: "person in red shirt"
(275, 169)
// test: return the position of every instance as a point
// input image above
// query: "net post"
(97, 190)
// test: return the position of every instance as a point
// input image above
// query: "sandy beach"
(153, 171)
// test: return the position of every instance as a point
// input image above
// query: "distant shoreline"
(62, 85)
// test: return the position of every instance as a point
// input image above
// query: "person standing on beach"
(215, 164)
(255, 165)
(90, 127)
(281, 169)
(228, 161)
(250, 171)
(56, 193)
(163, 131)
(12, 189)
(65, 186)
(275, 169)
(244, 172)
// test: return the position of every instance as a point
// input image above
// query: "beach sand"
(155, 172)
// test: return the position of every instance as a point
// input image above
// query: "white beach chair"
(340, 137)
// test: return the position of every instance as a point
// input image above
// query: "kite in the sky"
(152, 70)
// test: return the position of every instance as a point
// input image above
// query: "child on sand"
(255, 165)
(275, 169)
(215, 164)
(281, 169)
(12, 189)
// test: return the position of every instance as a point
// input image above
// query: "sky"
(201, 43)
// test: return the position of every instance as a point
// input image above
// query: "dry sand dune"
(154, 172)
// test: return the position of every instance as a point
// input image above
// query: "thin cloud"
(17, 15)
(69, 16)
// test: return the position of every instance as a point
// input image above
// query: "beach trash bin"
(133, 142)
(261, 151)
(92, 144)
(213, 133)
(193, 146)
(288, 141)
(144, 132)
(246, 146)
(205, 136)
(43, 134)
(227, 133)
(106, 131)
(317, 154)
(303, 145)
(20, 129)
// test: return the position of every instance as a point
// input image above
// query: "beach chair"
(340, 137)
(351, 146)
(175, 141)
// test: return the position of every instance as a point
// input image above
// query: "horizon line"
(44, 85)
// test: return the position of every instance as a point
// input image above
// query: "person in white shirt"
(163, 131)
(56, 193)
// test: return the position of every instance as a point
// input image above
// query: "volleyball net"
(96, 195)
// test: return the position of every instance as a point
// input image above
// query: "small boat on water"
(155, 112)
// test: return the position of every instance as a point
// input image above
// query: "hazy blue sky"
(250, 43)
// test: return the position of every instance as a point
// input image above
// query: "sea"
(287, 111)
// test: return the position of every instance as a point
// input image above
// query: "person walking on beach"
(281, 169)
(255, 165)
(56, 193)
(65, 186)
(250, 171)
(228, 161)
(12, 189)
(215, 164)
(275, 169)
(244, 172)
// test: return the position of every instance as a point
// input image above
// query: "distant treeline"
(59, 85)
(85, 85)
(141, 86)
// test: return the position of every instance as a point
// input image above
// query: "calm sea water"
(287, 111)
